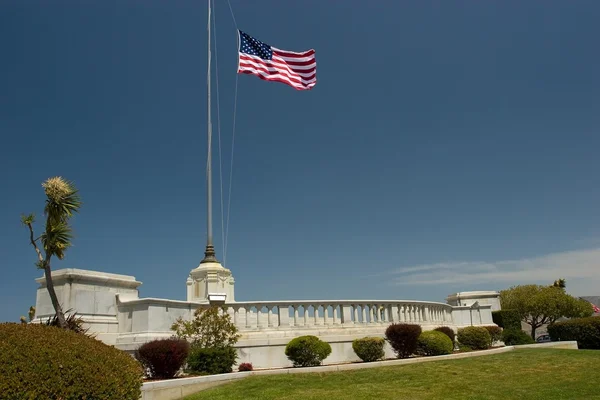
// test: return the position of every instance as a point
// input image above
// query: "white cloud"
(581, 269)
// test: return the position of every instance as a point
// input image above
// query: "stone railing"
(263, 315)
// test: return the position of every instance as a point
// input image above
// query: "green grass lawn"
(522, 374)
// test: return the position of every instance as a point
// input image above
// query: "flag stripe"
(297, 69)
(249, 60)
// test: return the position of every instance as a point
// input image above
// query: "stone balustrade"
(264, 315)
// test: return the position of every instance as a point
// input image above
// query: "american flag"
(298, 70)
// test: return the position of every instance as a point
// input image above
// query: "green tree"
(211, 327)
(560, 283)
(62, 202)
(539, 305)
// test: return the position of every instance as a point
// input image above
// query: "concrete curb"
(174, 389)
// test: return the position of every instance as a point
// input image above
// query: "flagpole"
(209, 253)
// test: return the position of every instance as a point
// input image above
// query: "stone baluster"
(386, 313)
(305, 315)
(325, 314)
(316, 315)
(247, 310)
(371, 314)
(295, 314)
(363, 309)
(426, 314)
(258, 315)
(355, 313)
(335, 314)
(236, 311)
(270, 316)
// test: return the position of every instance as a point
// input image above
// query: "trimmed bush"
(307, 351)
(446, 330)
(507, 319)
(45, 362)
(495, 333)
(163, 358)
(515, 337)
(245, 367)
(434, 343)
(476, 337)
(403, 338)
(586, 331)
(211, 360)
(369, 348)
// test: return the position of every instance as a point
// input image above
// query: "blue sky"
(447, 146)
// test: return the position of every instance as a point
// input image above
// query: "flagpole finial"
(209, 255)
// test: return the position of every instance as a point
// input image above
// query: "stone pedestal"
(210, 277)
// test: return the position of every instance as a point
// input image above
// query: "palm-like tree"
(62, 202)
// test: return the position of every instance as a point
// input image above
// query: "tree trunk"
(57, 307)
(533, 328)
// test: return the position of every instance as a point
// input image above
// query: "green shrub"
(45, 362)
(464, 348)
(307, 351)
(507, 319)
(586, 331)
(163, 358)
(211, 360)
(446, 330)
(403, 338)
(495, 333)
(515, 337)
(369, 348)
(476, 337)
(434, 343)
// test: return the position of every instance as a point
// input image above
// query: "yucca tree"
(61, 203)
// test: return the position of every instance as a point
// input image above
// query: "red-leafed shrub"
(446, 330)
(163, 358)
(403, 338)
(245, 367)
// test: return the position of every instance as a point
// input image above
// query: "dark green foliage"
(211, 360)
(163, 358)
(403, 338)
(245, 367)
(446, 330)
(369, 348)
(515, 337)
(434, 343)
(495, 333)
(307, 351)
(45, 362)
(476, 337)
(507, 319)
(586, 331)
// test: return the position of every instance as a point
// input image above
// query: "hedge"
(403, 338)
(507, 319)
(434, 343)
(515, 337)
(307, 351)
(45, 362)
(586, 331)
(475, 337)
(369, 348)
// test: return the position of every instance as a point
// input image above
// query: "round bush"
(307, 351)
(475, 337)
(446, 330)
(515, 337)
(211, 360)
(45, 362)
(369, 348)
(403, 338)
(163, 358)
(245, 367)
(495, 333)
(434, 343)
